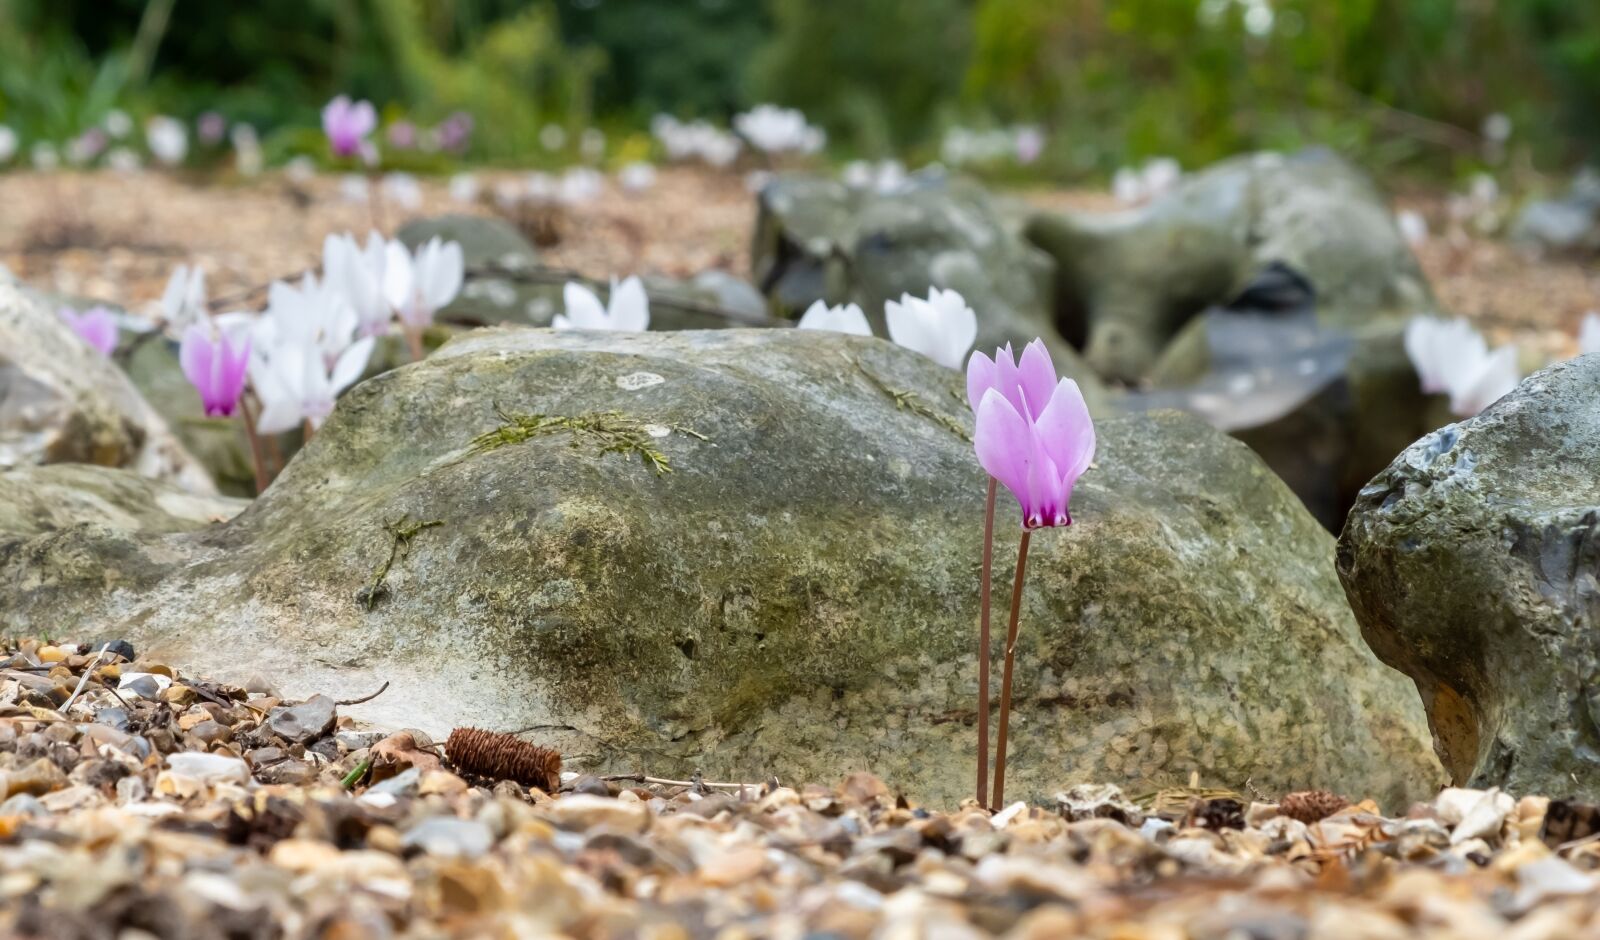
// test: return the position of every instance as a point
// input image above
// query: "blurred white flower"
(1451, 358)
(184, 300)
(756, 180)
(698, 139)
(553, 137)
(8, 143)
(295, 384)
(637, 177)
(1497, 127)
(843, 319)
(1156, 178)
(628, 310)
(580, 185)
(404, 190)
(167, 138)
(358, 274)
(1413, 227)
(886, 177)
(1029, 144)
(353, 187)
(246, 149)
(301, 169)
(1589, 334)
(942, 327)
(122, 159)
(44, 156)
(419, 285)
(313, 314)
(464, 188)
(117, 123)
(592, 144)
(779, 130)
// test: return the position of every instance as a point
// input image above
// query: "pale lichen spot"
(634, 381)
(657, 430)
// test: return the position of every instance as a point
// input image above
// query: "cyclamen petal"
(843, 319)
(95, 326)
(1589, 335)
(981, 372)
(1066, 431)
(629, 308)
(1003, 442)
(942, 327)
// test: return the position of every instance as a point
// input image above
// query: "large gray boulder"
(818, 239)
(796, 596)
(1473, 565)
(38, 500)
(1283, 233)
(62, 401)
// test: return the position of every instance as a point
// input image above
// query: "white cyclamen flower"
(418, 286)
(943, 327)
(844, 319)
(184, 300)
(8, 143)
(464, 187)
(404, 190)
(296, 384)
(629, 309)
(313, 315)
(117, 123)
(357, 273)
(1452, 359)
(167, 139)
(1589, 334)
(775, 130)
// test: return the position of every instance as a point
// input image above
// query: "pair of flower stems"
(983, 660)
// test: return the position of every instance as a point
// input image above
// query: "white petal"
(584, 310)
(630, 306)
(397, 275)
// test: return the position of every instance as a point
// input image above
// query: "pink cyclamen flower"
(95, 326)
(1031, 379)
(347, 125)
(1038, 457)
(216, 364)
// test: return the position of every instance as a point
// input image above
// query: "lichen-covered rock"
(63, 402)
(796, 596)
(1263, 224)
(1472, 564)
(36, 500)
(818, 239)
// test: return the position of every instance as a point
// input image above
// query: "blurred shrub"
(1118, 80)
(874, 73)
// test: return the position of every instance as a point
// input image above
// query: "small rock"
(584, 811)
(450, 837)
(36, 779)
(287, 772)
(210, 768)
(356, 740)
(404, 783)
(305, 722)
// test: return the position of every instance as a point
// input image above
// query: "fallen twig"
(87, 672)
(365, 698)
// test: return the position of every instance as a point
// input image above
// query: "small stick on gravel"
(366, 698)
(87, 672)
(662, 781)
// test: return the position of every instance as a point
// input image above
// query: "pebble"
(307, 721)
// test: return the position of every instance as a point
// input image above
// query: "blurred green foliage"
(1110, 81)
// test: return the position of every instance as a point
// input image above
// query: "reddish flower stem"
(258, 464)
(983, 648)
(414, 343)
(1005, 679)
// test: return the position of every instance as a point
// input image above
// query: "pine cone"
(1311, 806)
(504, 757)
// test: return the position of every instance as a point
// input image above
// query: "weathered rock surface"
(1280, 231)
(1567, 225)
(818, 239)
(1473, 565)
(797, 596)
(35, 500)
(63, 402)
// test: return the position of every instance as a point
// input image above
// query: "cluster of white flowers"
(962, 146)
(942, 327)
(772, 129)
(885, 177)
(315, 337)
(695, 140)
(1134, 185)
